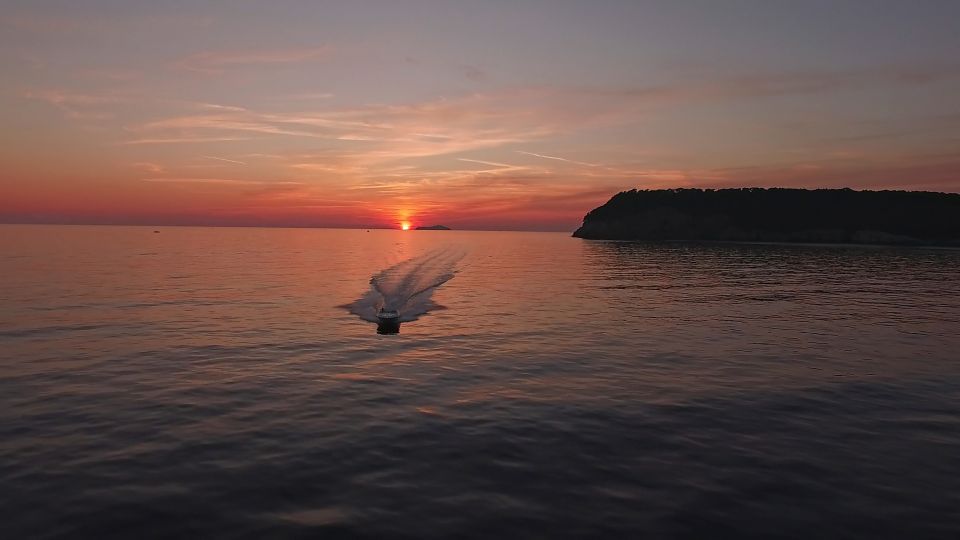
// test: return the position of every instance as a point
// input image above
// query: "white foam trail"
(408, 285)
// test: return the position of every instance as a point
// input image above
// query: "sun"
(405, 225)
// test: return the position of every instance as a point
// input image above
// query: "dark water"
(214, 383)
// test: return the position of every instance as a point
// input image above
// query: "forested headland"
(778, 215)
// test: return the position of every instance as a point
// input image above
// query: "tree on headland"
(778, 215)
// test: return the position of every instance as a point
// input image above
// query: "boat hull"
(388, 325)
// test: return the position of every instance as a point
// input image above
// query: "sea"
(177, 382)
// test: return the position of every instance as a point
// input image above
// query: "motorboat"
(388, 321)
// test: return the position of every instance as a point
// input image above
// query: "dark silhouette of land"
(433, 228)
(778, 215)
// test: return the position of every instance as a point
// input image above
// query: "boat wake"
(408, 286)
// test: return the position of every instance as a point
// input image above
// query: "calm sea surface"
(202, 382)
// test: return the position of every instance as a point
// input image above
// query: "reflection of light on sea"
(407, 286)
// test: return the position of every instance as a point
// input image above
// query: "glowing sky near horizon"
(490, 115)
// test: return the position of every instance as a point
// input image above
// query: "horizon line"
(241, 226)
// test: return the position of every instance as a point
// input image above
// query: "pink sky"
(490, 116)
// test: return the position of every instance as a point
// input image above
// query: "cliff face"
(778, 215)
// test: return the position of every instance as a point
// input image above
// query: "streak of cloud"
(217, 61)
(222, 181)
(558, 159)
(491, 163)
(224, 159)
(181, 140)
(149, 167)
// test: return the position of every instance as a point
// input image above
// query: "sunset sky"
(487, 114)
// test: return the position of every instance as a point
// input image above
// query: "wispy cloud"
(508, 116)
(79, 105)
(304, 96)
(387, 131)
(149, 167)
(181, 140)
(221, 181)
(220, 107)
(218, 61)
(497, 168)
(491, 163)
(558, 159)
(224, 160)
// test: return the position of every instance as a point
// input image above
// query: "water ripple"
(572, 389)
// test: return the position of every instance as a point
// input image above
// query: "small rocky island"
(778, 215)
(433, 228)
